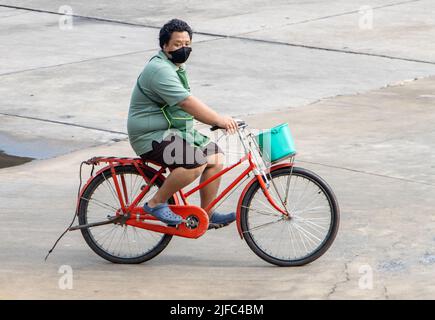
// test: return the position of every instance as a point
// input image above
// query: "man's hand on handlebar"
(227, 123)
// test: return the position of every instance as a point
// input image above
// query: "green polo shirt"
(161, 84)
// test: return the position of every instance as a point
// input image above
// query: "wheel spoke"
(118, 241)
(266, 213)
(100, 203)
(263, 225)
(314, 199)
(294, 240)
(308, 235)
(111, 189)
(308, 222)
(298, 212)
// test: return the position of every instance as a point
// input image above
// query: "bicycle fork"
(265, 187)
(258, 166)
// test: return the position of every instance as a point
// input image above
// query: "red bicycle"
(288, 215)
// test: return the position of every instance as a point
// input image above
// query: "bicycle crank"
(191, 222)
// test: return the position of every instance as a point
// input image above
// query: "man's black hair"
(175, 25)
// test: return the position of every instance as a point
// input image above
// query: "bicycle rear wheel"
(115, 242)
(301, 239)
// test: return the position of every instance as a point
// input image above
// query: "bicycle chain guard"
(195, 221)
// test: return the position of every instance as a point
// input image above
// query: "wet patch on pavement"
(7, 160)
(428, 259)
(392, 266)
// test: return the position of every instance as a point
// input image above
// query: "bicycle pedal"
(216, 225)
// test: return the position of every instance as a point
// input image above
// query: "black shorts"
(174, 152)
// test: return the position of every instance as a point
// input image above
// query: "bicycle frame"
(129, 208)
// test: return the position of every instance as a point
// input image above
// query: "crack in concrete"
(234, 36)
(14, 14)
(335, 286)
(73, 62)
(62, 123)
(369, 173)
(88, 60)
(334, 50)
(330, 16)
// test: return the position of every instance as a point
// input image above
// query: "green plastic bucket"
(276, 143)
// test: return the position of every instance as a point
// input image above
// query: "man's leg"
(209, 192)
(177, 179)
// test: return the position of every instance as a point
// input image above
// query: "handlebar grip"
(240, 123)
(214, 128)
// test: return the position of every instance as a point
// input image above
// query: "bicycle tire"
(327, 241)
(87, 235)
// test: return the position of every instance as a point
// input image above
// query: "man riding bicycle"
(160, 126)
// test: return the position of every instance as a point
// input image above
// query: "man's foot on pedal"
(219, 220)
(164, 214)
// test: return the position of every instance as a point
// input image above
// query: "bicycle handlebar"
(240, 123)
(214, 128)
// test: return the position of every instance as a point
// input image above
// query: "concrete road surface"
(354, 80)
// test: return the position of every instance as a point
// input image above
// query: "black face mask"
(181, 55)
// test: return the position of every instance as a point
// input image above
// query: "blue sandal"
(164, 214)
(219, 220)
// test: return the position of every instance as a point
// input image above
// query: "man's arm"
(207, 115)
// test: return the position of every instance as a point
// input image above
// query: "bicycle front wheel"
(301, 239)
